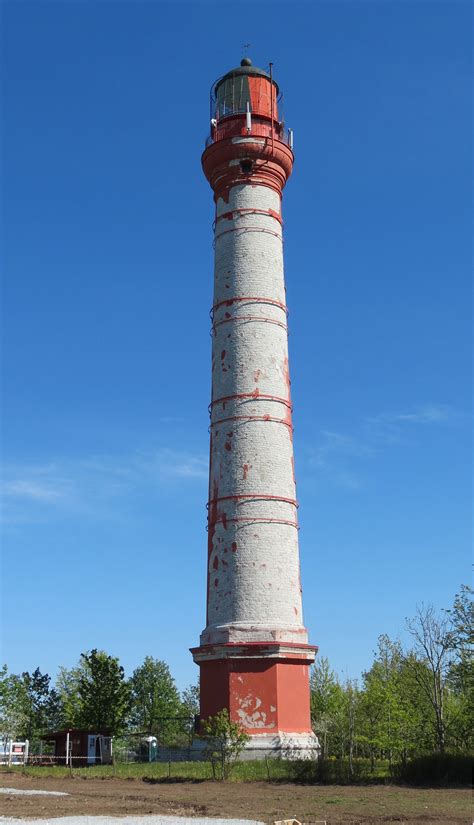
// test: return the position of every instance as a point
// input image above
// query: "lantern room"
(246, 101)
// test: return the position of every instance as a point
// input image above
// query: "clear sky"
(108, 283)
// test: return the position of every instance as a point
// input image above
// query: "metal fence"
(261, 130)
(14, 753)
(169, 740)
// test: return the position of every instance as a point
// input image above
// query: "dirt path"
(360, 805)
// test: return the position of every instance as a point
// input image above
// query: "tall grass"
(431, 770)
(161, 771)
(277, 770)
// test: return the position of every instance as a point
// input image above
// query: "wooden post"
(268, 768)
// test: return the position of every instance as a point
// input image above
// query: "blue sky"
(108, 282)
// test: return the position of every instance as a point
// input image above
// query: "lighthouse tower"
(254, 655)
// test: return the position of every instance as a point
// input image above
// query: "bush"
(437, 769)
(225, 742)
(330, 771)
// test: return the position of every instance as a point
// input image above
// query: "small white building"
(13, 753)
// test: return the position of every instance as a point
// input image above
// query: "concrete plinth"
(279, 745)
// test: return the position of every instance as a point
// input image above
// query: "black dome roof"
(245, 68)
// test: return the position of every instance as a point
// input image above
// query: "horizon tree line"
(413, 700)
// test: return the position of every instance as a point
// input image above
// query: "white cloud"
(336, 450)
(429, 414)
(90, 485)
(334, 443)
(190, 468)
(30, 489)
(168, 464)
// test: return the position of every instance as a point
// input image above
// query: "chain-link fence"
(168, 734)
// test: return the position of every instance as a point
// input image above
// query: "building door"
(105, 750)
(91, 744)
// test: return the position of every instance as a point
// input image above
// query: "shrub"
(225, 742)
(436, 769)
(330, 771)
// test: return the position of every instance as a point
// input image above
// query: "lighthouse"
(254, 656)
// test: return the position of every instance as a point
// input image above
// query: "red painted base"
(266, 695)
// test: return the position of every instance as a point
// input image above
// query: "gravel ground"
(22, 792)
(147, 801)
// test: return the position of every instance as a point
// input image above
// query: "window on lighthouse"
(233, 95)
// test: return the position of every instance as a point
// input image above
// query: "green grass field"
(276, 770)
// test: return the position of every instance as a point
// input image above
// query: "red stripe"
(251, 318)
(261, 520)
(257, 396)
(259, 496)
(253, 418)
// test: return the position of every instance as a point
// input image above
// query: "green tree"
(190, 700)
(41, 703)
(372, 702)
(393, 713)
(67, 688)
(462, 616)
(28, 706)
(13, 706)
(351, 709)
(430, 662)
(325, 702)
(155, 701)
(104, 694)
(225, 742)
(460, 678)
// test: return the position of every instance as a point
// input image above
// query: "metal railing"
(236, 102)
(284, 136)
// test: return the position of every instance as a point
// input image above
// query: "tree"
(399, 717)
(225, 742)
(351, 696)
(28, 705)
(430, 662)
(191, 707)
(103, 692)
(460, 679)
(325, 701)
(67, 688)
(462, 614)
(190, 700)
(13, 706)
(155, 701)
(462, 620)
(372, 703)
(41, 702)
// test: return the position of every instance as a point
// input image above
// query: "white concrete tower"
(254, 655)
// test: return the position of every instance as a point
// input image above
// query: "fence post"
(268, 768)
(25, 755)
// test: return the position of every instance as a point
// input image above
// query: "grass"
(276, 769)
(242, 772)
